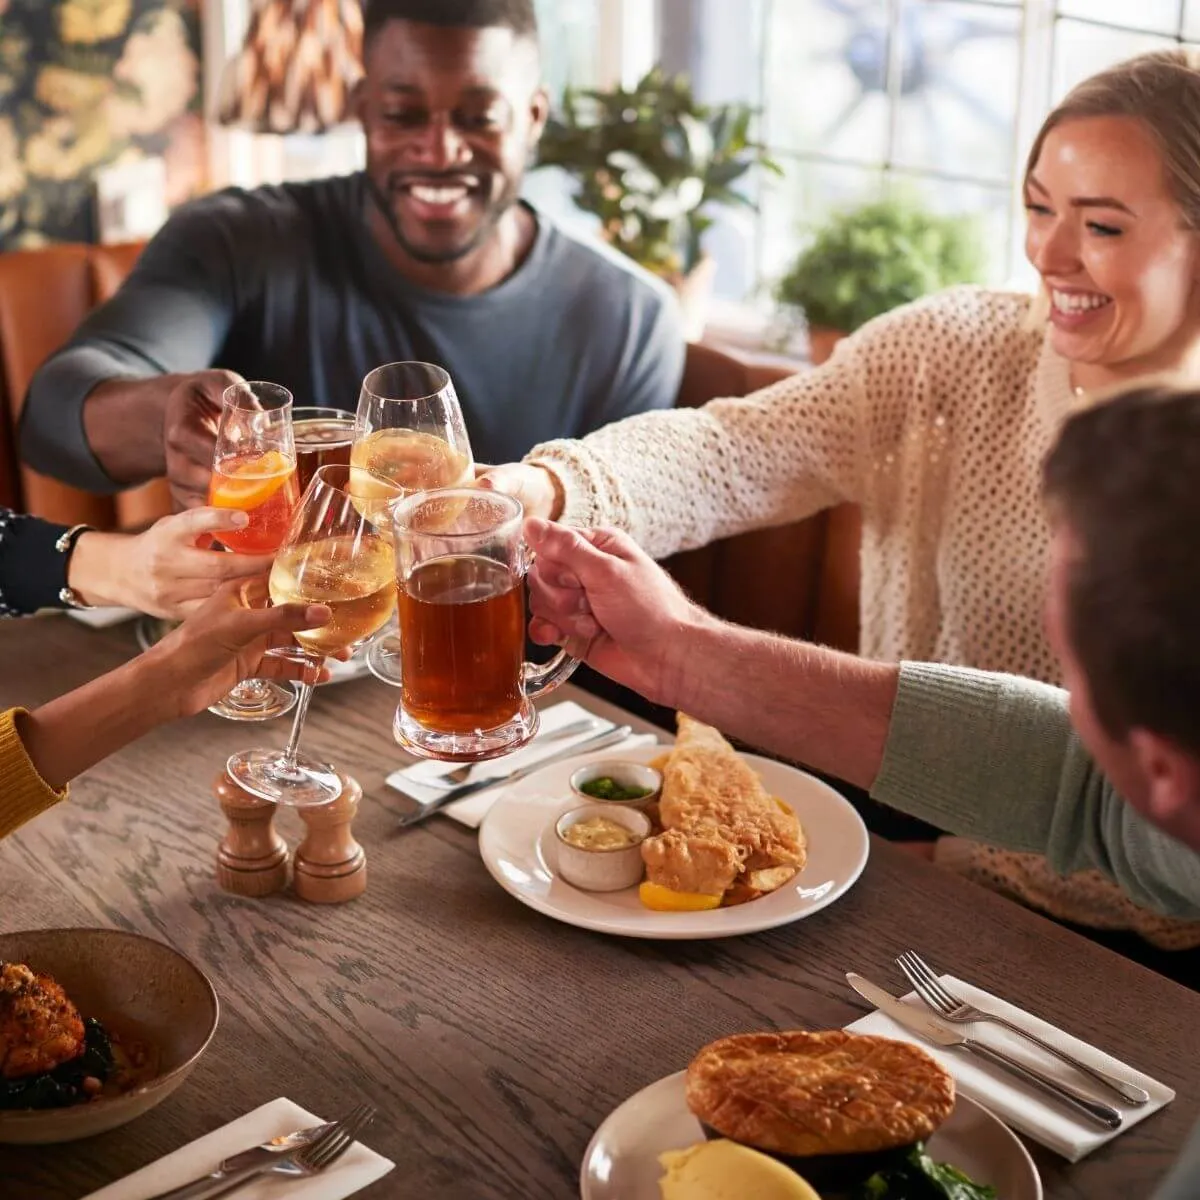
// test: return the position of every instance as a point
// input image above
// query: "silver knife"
(933, 1029)
(607, 738)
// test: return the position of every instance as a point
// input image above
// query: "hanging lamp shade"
(296, 69)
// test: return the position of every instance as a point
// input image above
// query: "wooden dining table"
(493, 1040)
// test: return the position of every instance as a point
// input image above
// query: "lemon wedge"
(663, 899)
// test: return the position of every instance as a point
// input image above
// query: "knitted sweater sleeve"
(685, 477)
(23, 792)
(994, 757)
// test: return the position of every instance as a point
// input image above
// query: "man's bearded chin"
(491, 219)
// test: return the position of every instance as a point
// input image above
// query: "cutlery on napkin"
(1039, 1117)
(356, 1168)
(419, 782)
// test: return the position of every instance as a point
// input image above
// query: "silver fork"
(955, 1009)
(308, 1160)
(460, 774)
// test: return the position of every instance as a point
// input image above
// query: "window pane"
(1154, 16)
(570, 35)
(826, 78)
(1081, 50)
(1191, 19)
(957, 92)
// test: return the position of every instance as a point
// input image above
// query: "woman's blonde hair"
(1162, 90)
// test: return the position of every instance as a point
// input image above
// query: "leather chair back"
(44, 295)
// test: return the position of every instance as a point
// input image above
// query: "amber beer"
(462, 642)
(321, 440)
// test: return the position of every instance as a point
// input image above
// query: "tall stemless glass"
(337, 552)
(465, 689)
(254, 469)
(323, 437)
(409, 429)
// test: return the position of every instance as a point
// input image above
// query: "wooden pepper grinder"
(252, 859)
(330, 866)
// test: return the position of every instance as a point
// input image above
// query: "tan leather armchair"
(44, 294)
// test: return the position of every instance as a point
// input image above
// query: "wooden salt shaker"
(252, 859)
(330, 866)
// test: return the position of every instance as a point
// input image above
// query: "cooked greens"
(918, 1177)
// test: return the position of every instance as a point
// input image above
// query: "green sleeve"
(994, 757)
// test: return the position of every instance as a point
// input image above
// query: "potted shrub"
(867, 260)
(651, 162)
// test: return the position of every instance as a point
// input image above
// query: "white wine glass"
(338, 552)
(409, 428)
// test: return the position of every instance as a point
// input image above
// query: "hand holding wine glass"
(336, 554)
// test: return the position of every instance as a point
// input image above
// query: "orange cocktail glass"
(265, 487)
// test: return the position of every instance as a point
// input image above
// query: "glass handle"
(537, 681)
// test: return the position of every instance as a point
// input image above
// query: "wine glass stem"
(306, 693)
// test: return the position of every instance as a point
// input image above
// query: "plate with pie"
(737, 844)
(803, 1115)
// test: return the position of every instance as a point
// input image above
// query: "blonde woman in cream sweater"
(935, 419)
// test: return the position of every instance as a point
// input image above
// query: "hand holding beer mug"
(464, 685)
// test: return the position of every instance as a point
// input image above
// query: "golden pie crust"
(831, 1092)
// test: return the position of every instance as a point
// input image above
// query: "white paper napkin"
(354, 1170)
(1026, 1109)
(414, 781)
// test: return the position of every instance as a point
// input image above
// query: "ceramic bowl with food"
(599, 846)
(612, 781)
(155, 1010)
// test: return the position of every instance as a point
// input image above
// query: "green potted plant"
(652, 162)
(867, 260)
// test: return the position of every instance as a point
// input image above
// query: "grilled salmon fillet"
(39, 1027)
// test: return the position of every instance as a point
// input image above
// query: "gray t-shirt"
(288, 284)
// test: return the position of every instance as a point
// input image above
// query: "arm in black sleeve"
(171, 316)
(32, 570)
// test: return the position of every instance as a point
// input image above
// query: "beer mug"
(465, 688)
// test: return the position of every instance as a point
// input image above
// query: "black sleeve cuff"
(32, 571)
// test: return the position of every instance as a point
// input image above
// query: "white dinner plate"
(517, 843)
(621, 1161)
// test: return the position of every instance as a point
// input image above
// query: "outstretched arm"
(987, 756)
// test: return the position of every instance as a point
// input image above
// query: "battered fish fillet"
(708, 785)
(700, 861)
(39, 1027)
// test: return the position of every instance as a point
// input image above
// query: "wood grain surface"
(493, 1040)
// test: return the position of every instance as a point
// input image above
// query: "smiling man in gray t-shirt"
(428, 254)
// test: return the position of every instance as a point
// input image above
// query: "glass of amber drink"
(465, 689)
(334, 554)
(254, 469)
(409, 428)
(323, 437)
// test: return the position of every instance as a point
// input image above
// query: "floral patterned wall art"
(86, 84)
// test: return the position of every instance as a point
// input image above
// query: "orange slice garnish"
(249, 482)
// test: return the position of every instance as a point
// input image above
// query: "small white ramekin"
(602, 870)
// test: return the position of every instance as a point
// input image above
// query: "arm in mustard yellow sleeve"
(23, 792)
